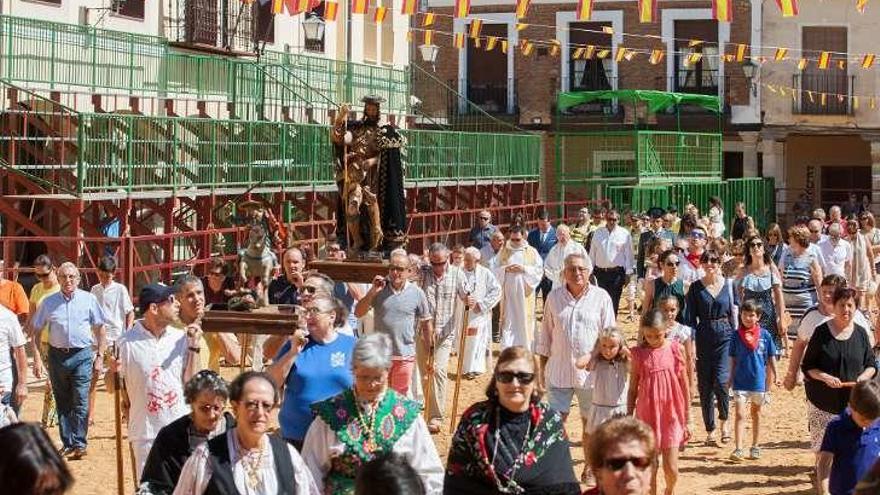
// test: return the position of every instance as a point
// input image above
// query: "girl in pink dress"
(658, 392)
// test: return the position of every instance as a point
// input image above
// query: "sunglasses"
(698, 235)
(712, 260)
(438, 263)
(618, 463)
(523, 377)
(308, 289)
(672, 263)
(43, 275)
(756, 245)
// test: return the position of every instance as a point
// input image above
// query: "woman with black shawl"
(206, 394)
(511, 443)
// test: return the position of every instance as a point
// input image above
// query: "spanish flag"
(359, 6)
(554, 48)
(277, 5)
(780, 54)
(603, 53)
(462, 8)
(740, 52)
(527, 48)
(722, 10)
(380, 14)
(789, 8)
(802, 64)
(860, 5)
(409, 7)
(459, 40)
(647, 9)
(330, 10)
(868, 61)
(578, 53)
(491, 41)
(429, 37)
(589, 52)
(656, 56)
(584, 10)
(428, 20)
(621, 54)
(503, 46)
(522, 8)
(476, 25)
(824, 60)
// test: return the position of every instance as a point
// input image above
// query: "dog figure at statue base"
(257, 261)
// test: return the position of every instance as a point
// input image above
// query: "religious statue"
(257, 261)
(371, 211)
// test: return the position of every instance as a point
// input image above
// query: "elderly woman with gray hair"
(367, 421)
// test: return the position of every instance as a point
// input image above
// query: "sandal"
(737, 456)
(755, 453)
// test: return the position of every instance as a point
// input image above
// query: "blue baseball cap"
(154, 294)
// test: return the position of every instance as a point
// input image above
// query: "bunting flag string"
(584, 10)
(656, 56)
(824, 60)
(462, 8)
(428, 19)
(379, 14)
(522, 8)
(868, 61)
(503, 46)
(722, 10)
(359, 6)
(780, 54)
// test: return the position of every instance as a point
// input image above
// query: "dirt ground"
(784, 468)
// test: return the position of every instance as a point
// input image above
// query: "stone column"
(750, 153)
(774, 166)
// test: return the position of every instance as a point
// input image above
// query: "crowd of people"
(362, 385)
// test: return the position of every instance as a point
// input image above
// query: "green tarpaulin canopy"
(657, 100)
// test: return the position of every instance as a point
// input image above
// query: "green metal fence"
(68, 56)
(133, 153)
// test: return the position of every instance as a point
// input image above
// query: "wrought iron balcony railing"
(823, 94)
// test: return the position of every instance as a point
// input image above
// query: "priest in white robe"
(553, 265)
(519, 269)
(482, 294)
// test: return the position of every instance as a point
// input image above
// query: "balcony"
(492, 97)
(836, 87)
(215, 25)
(703, 82)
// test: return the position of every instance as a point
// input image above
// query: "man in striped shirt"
(574, 316)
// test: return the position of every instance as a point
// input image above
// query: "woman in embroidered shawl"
(368, 421)
(511, 443)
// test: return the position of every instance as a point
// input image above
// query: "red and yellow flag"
(789, 8)
(554, 48)
(359, 6)
(867, 60)
(380, 14)
(603, 53)
(503, 46)
(522, 8)
(722, 10)
(459, 40)
(462, 8)
(740, 52)
(330, 10)
(409, 7)
(429, 37)
(780, 54)
(527, 47)
(647, 10)
(476, 26)
(824, 60)
(578, 53)
(860, 5)
(491, 41)
(584, 10)
(656, 56)
(621, 54)
(428, 19)
(589, 52)
(277, 5)
(802, 64)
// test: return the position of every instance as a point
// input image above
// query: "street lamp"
(749, 68)
(429, 54)
(314, 29)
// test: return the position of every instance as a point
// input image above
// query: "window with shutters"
(264, 22)
(696, 57)
(129, 8)
(586, 71)
(488, 84)
(824, 91)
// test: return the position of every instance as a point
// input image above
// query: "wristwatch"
(195, 349)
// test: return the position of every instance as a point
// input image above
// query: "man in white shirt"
(574, 316)
(12, 342)
(555, 258)
(156, 359)
(519, 269)
(612, 252)
(491, 248)
(837, 253)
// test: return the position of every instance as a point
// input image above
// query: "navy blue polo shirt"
(855, 451)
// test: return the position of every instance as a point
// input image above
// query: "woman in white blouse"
(246, 460)
(366, 421)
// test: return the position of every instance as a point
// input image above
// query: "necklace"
(368, 425)
(511, 486)
(252, 462)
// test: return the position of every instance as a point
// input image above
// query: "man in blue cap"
(156, 359)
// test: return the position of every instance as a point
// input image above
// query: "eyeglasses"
(754, 245)
(309, 289)
(438, 263)
(523, 377)
(253, 405)
(672, 263)
(42, 275)
(68, 276)
(316, 311)
(618, 463)
(698, 235)
(207, 408)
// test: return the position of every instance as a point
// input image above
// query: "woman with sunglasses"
(774, 243)
(622, 451)
(667, 284)
(522, 445)
(710, 310)
(206, 393)
(246, 459)
(313, 365)
(760, 280)
(365, 421)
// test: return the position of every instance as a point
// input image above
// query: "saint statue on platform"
(371, 211)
